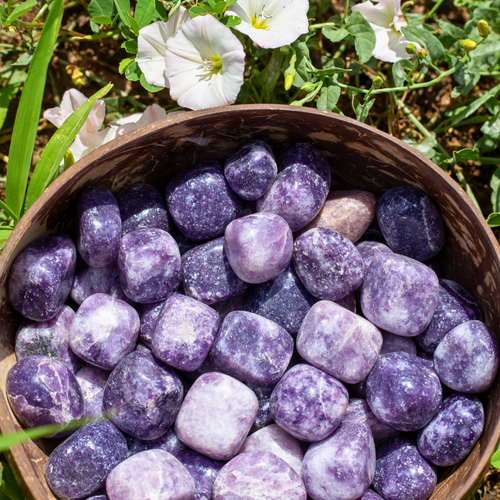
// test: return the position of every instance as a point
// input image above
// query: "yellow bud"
(377, 82)
(69, 159)
(77, 77)
(421, 53)
(308, 87)
(484, 28)
(288, 82)
(411, 48)
(468, 45)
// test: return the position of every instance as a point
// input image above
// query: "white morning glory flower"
(204, 64)
(151, 44)
(271, 23)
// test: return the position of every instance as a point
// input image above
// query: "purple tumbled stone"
(92, 381)
(368, 249)
(168, 442)
(370, 495)
(149, 314)
(395, 343)
(143, 396)
(224, 307)
(99, 226)
(41, 276)
(348, 302)
(98, 497)
(263, 417)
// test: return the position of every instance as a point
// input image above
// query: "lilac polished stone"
(92, 381)
(327, 263)
(78, 467)
(251, 169)
(104, 331)
(370, 495)
(48, 338)
(258, 246)
(207, 275)
(201, 202)
(368, 249)
(255, 475)
(149, 262)
(216, 415)
(99, 226)
(252, 348)
(402, 473)
(452, 433)
(403, 391)
(168, 442)
(308, 403)
(41, 276)
(98, 497)
(466, 360)
(143, 396)
(339, 342)
(149, 314)
(395, 343)
(184, 332)
(150, 475)
(399, 294)
(341, 466)
(410, 223)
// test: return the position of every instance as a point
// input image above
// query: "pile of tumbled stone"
(189, 336)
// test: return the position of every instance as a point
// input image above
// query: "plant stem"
(320, 25)
(96, 36)
(485, 160)
(345, 14)
(433, 10)
(11, 214)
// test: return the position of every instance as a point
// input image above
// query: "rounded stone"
(92, 381)
(168, 442)
(149, 314)
(368, 249)
(395, 343)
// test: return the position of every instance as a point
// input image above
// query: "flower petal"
(380, 15)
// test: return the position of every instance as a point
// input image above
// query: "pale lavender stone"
(348, 302)
(339, 342)
(395, 343)
(149, 314)
(255, 475)
(149, 262)
(41, 276)
(341, 466)
(403, 391)
(143, 396)
(368, 249)
(402, 473)
(78, 467)
(216, 415)
(104, 331)
(399, 294)
(48, 338)
(252, 348)
(201, 202)
(98, 497)
(99, 226)
(258, 246)
(167, 442)
(410, 223)
(206, 367)
(466, 360)
(308, 403)
(184, 332)
(327, 263)
(150, 475)
(92, 381)
(207, 275)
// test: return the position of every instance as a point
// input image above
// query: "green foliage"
(19, 10)
(364, 36)
(8, 486)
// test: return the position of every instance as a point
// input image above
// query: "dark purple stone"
(348, 302)
(395, 343)
(263, 417)
(169, 442)
(92, 381)
(149, 314)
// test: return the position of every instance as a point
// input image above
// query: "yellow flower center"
(259, 21)
(210, 67)
(216, 64)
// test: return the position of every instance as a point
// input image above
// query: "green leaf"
(219, 7)
(465, 154)
(449, 33)
(20, 10)
(212, 3)
(270, 74)
(5, 232)
(231, 2)
(335, 35)
(101, 8)
(197, 11)
(476, 104)
(123, 8)
(102, 20)
(490, 139)
(364, 36)
(362, 110)
(328, 97)
(134, 26)
(161, 11)
(302, 74)
(28, 113)
(124, 64)
(147, 86)
(466, 76)
(130, 46)
(399, 74)
(8, 485)
(144, 12)
(495, 187)
(434, 48)
(230, 21)
(48, 164)
(133, 73)
(6, 95)
(493, 220)
(24, 59)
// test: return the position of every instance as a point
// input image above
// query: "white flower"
(271, 23)
(386, 19)
(151, 44)
(204, 64)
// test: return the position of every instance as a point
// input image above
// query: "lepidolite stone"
(348, 302)
(143, 396)
(308, 403)
(263, 417)
(149, 262)
(368, 249)
(201, 202)
(327, 263)
(395, 343)
(252, 348)
(41, 276)
(339, 342)
(150, 475)
(216, 415)
(78, 467)
(403, 391)
(98, 497)
(149, 314)
(371, 495)
(255, 475)
(104, 331)
(410, 223)
(169, 442)
(92, 381)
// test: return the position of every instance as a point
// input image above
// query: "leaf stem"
(486, 160)
(345, 14)
(9, 211)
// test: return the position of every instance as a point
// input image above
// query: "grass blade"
(20, 10)
(6, 95)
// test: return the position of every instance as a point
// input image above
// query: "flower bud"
(377, 82)
(284, 50)
(411, 48)
(468, 45)
(288, 81)
(308, 87)
(421, 53)
(69, 159)
(484, 28)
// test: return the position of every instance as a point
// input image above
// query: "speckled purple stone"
(150, 475)
(466, 360)
(78, 467)
(368, 249)
(252, 348)
(143, 396)
(48, 338)
(339, 342)
(104, 331)
(92, 381)
(399, 294)
(98, 497)
(99, 226)
(410, 223)
(184, 332)
(403, 391)
(255, 475)
(41, 276)
(341, 466)
(263, 417)
(201, 202)
(370, 495)
(402, 473)
(149, 262)
(149, 314)
(168, 442)
(395, 343)
(348, 302)
(224, 307)
(207, 275)
(327, 263)
(42, 391)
